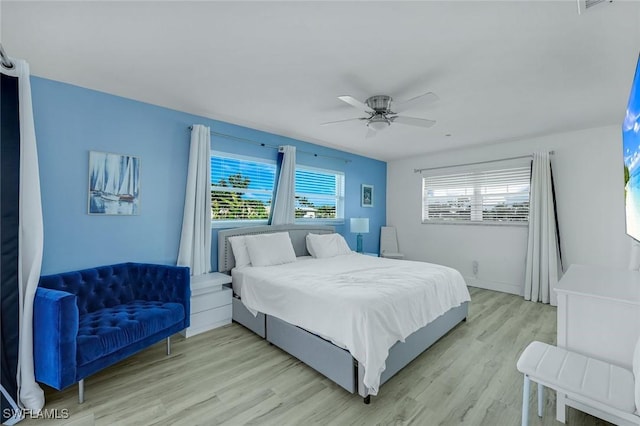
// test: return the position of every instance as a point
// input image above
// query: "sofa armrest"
(55, 332)
(163, 283)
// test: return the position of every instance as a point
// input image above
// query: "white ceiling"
(502, 70)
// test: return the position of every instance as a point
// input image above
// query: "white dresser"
(598, 316)
(210, 303)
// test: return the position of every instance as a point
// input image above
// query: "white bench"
(598, 387)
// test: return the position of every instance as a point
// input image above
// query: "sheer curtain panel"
(543, 250)
(284, 204)
(195, 240)
(22, 238)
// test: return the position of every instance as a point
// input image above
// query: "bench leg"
(525, 400)
(168, 345)
(540, 399)
(561, 408)
(81, 391)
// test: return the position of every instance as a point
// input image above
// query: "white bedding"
(237, 277)
(362, 303)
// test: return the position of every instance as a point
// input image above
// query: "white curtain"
(31, 239)
(284, 205)
(543, 252)
(195, 241)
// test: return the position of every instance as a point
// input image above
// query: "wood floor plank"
(231, 376)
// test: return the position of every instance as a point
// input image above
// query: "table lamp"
(359, 225)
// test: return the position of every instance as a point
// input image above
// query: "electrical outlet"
(475, 266)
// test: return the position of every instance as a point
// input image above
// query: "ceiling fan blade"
(412, 121)
(421, 99)
(370, 133)
(342, 121)
(356, 103)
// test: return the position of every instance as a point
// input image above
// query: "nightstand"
(210, 303)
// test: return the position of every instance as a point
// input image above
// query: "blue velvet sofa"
(87, 320)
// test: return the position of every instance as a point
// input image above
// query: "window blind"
(494, 196)
(319, 193)
(241, 188)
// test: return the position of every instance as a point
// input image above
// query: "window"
(494, 196)
(319, 194)
(241, 187)
(242, 190)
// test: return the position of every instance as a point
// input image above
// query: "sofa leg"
(168, 345)
(81, 391)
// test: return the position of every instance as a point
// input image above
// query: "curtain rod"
(239, 139)
(4, 59)
(477, 162)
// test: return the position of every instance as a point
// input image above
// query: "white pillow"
(270, 249)
(309, 244)
(636, 373)
(322, 246)
(240, 252)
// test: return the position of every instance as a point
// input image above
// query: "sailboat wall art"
(114, 184)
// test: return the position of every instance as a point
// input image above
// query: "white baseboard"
(495, 285)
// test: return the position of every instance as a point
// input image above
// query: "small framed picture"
(366, 195)
(114, 184)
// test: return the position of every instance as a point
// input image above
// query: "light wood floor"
(231, 376)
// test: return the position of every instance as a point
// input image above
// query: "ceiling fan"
(380, 115)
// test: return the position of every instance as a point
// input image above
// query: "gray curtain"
(543, 248)
(283, 211)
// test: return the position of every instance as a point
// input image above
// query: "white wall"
(588, 174)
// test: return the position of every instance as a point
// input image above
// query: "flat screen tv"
(631, 152)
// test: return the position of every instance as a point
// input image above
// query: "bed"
(284, 305)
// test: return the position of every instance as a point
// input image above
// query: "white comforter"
(362, 303)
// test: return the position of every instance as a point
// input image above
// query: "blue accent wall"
(70, 121)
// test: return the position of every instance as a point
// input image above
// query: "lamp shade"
(359, 225)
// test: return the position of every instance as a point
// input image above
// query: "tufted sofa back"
(95, 288)
(157, 282)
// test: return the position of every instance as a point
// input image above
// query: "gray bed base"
(335, 363)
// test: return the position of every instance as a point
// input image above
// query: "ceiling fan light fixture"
(378, 123)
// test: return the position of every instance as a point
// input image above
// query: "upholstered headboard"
(297, 233)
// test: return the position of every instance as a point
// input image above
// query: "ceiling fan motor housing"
(380, 103)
